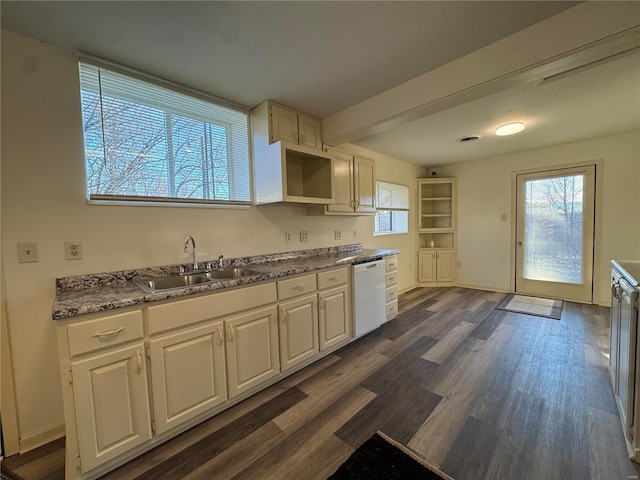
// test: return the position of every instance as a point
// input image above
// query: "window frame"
(393, 210)
(246, 183)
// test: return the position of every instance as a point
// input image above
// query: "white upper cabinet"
(285, 124)
(288, 162)
(354, 183)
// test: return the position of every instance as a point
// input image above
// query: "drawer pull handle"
(109, 333)
(138, 363)
(283, 315)
(335, 277)
(299, 287)
(220, 336)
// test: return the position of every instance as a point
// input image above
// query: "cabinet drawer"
(104, 332)
(391, 263)
(392, 309)
(296, 286)
(193, 310)
(333, 278)
(392, 293)
(392, 279)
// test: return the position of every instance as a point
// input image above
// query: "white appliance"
(369, 298)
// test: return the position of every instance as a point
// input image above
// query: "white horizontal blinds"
(146, 142)
(392, 197)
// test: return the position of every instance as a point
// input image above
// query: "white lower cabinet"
(435, 266)
(188, 374)
(335, 316)
(112, 404)
(252, 349)
(298, 330)
(172, 363)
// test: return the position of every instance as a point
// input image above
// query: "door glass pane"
(553, 229)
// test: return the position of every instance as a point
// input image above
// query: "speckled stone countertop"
(630, 269)
(100, 292)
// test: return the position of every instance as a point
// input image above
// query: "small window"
(144, 142)
(392, 214)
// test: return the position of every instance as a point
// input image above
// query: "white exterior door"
(554, 233)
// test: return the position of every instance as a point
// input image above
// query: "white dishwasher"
(369, 296)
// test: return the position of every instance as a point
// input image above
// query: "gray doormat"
(540, 307)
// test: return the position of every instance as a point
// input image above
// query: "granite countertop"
(630, 269)
(100, 292)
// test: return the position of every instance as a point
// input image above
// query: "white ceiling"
(322, 57)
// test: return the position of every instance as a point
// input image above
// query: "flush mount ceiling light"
(509, 129)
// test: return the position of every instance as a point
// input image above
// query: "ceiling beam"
(567, 42)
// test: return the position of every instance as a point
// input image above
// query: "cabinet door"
(283, 125)
(252, 349)
(445, 269)
(188, 374)
(614, 333)
(298, 330)
(112, 404)
(365, 185)
(427, 266)
(343, 183)
(335, 316)
(309, 132)
(627, 356)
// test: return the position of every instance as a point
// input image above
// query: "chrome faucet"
(220, 261)
(193, 250)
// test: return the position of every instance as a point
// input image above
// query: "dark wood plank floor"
(478, 392)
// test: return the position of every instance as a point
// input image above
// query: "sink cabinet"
(136, 378)
(188, 374)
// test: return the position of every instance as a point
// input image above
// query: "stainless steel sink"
(153, 285)
(231, 273)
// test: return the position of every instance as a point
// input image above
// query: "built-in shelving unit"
(437, 231)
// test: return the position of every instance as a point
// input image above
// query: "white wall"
(43, 201)
(484, 192)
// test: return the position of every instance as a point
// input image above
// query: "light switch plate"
(337, 234)
(304, 236)
(27, 252)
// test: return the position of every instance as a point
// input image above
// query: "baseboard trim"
(33, 441)
(484, 287)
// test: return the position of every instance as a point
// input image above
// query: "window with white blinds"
(148, 143)
(392, 209)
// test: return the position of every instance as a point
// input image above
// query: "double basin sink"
(160, 284)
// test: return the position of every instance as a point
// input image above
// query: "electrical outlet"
(304, 236)
(73, 250)
(27, 252)
(355, 234)
(337, 234)
(287, 237)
